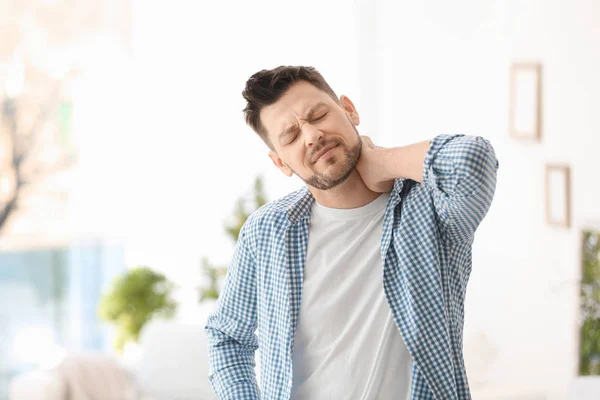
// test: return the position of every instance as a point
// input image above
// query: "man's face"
(313, 136)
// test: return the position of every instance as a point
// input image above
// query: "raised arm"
(460, 171)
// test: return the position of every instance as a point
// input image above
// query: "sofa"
(173, 365)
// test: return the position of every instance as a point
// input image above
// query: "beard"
(342, 168)
(345, 167)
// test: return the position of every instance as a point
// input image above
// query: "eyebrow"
(309, 115)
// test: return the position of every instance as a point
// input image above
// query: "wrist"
(386, 160)
(404, 162)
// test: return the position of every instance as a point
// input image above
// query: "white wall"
(444, 68)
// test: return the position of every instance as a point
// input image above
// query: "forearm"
(404, 161)
(231, 366)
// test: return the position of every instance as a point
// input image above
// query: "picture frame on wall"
(525, 109)
(558, 195)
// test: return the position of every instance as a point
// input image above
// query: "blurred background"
(126, 170)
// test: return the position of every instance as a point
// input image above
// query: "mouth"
(322, 152)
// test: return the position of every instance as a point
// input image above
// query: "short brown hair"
(267, 86)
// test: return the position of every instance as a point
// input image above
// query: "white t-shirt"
(347, 345)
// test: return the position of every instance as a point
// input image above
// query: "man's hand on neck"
(371, 169)
(375, 173)
(379, 166)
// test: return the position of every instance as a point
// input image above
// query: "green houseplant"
(135, 298)
(244, 207)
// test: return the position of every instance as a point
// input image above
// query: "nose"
(312, 135)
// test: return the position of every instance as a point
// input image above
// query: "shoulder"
(275, 213)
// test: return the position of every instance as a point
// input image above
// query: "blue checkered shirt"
(426, 257)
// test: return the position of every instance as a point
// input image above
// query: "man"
(356, 282)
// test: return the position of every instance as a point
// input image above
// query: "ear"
(280, 164)
(348, 106)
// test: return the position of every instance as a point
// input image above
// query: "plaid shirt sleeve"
(461, 172)
(231, 329)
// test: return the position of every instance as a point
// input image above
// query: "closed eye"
(316, 119)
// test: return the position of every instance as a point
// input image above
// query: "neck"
(352, 193)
